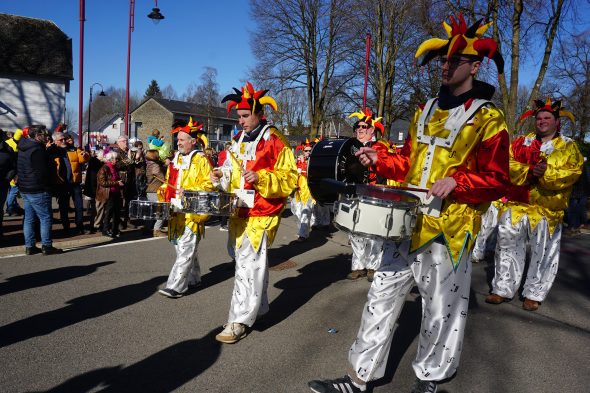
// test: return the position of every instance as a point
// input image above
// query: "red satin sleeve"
(394, 166)
(490, 178)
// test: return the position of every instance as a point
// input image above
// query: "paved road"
(90, 320)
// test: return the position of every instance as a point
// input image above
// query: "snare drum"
(211, 203)
(149, 210)
(378, 212)
(334, 159)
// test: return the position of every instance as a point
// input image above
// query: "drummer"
(367, 252)
(262, 173)
(457, 147)
(302, 203)
(188, 171)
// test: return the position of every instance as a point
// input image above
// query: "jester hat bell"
(250, 99)
(548, 106)
(462, 40)
(366, 116)
(194, 129)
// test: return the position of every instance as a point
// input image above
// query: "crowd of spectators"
(46, 167)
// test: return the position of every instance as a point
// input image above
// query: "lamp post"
(156, 17)
(101, 94)
(81, 71)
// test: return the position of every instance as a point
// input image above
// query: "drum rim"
(371, 235)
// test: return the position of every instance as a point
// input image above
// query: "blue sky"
(194, 34)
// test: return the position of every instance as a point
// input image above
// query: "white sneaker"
(232, 333)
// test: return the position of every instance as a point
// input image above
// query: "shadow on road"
(78, 310)
(48, 277)
(281, 254)
(297, 291)
(164, 371)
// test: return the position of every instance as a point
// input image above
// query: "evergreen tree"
(153, 90)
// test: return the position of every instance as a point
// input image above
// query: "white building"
(35, 72)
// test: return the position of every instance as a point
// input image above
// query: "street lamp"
(101, 94)
(156, 17)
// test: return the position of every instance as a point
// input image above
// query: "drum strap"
(249, 150)
(457, 118)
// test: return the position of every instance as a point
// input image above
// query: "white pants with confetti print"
(511, 255)
(186, 270)
(487, 236)
(445, 299)
(366, 252)
(249, 297)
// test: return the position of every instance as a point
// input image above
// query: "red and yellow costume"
(533, 216)
(265, 151)
(463, 137)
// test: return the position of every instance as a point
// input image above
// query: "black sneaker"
(32, 250)
(171, 293)
(50, 250)
(421, 386)
(340, 385)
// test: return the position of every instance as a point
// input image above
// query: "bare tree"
(300, 43)
(169, 93)
(572, 73)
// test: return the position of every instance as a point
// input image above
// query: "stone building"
(159, 113)
(35, 72)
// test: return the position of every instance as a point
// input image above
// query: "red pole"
(367, 56)
(131, 27)
(81, 73)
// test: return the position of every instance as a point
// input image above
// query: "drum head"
(334, 159)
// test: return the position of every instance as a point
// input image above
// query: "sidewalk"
(13, 240)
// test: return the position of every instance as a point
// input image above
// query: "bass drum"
(334, 160)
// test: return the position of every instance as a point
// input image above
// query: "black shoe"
(80, 231)
(109, 234)
(421, 386)
(92, 230)
(50, 250)
(171, 293)
(340, 385)
(32, 250)
(123, 225)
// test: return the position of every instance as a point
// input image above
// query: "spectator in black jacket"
(576, 210)
(7, 173)
(33, 181)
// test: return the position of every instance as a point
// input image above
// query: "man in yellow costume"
(457, 147)
(302, 203)
(544, 166)
(262, 173)
(188, 171)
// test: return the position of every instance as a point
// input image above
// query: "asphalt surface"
(90, 320)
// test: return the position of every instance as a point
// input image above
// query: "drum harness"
(457, 118)
(248, 155)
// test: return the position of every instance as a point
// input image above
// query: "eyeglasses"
(453, 62)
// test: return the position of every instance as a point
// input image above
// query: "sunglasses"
(307, 150)
(363, 126)
(453, 62)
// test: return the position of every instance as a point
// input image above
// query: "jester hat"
(462, 40)
(194, 129)
(249, 99)
(367, 116)
(548, 106)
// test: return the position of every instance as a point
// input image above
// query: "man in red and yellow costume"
(544, 166)
(366, 251)
(261, 173)
(188, 171)
(302, 203)
(457, 147)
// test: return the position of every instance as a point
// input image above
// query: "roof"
(105, 121)
(190, 108)
(35, 47)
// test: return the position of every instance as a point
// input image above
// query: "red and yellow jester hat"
(462, 40)
(548, 106)
(249, 98)
(194, 129)
(367, 116)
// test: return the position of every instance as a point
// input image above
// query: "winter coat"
(32, 167)
(104, 181)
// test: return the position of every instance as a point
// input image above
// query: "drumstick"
(165, 182)
(233, 157)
